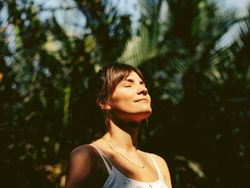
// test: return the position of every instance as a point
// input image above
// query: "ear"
(102, 105)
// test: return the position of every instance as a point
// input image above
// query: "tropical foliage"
(195, 58)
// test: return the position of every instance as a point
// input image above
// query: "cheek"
(122, 99)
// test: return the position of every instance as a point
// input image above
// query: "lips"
(144, 100)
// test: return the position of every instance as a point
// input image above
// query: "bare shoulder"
(82, 164)
(84, 155)
(83, 152)
(164, 169)
(160, 161)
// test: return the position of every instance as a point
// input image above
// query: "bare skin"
(129, 105)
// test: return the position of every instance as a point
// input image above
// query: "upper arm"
(80, 168)
(165, 170)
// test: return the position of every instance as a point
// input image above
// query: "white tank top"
(117, 180)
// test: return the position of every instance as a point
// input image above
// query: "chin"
(141, 116)
(134, 116)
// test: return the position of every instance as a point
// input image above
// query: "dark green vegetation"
(200, 88)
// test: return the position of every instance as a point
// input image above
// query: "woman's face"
(130, 100)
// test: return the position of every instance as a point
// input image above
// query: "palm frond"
(144, 46)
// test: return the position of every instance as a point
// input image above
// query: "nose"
(142, 90)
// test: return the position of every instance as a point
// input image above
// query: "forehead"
(132, 76)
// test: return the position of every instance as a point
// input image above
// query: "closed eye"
(129, 82)
(127, 85)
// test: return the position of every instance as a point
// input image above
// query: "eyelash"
(131, 85)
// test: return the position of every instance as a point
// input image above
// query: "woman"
(114, 161)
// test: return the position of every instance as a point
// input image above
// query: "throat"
(122, 135)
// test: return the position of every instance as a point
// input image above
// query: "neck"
(123, 134)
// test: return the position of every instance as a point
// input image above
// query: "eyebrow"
(130, 80)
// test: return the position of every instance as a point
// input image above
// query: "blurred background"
(195, 55)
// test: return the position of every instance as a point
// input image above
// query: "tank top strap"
(160, 175)
(105, 160)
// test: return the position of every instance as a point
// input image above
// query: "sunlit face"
(130, 100)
